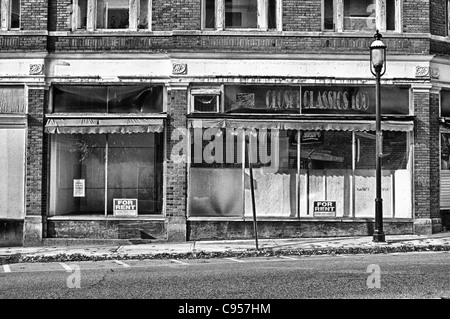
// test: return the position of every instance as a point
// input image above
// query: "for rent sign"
(325, 209)
(125, 207)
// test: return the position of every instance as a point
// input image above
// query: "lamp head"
(377, 54)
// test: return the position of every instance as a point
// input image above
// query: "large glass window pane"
(81, 14)
(77, 173)
(241, 13)
(325, 169)
(135, 170)
(274, 158)
(328, 19)
(79, 99)
(107, 99)
(445, 103)
(210, 14)
(390, 15)
(396, 178)
(216, 181)
(12, 155)
(135, 99)
(112, 14)
(15, 14)
(143, 14)
(359, 15)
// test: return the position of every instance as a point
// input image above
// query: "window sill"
(109, 217)
(106, 33)
(296, 219)
(23, 32)
(106, 115)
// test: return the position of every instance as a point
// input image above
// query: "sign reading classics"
(125, 207)
(314, 99)
(324, 209)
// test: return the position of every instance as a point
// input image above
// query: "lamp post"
(377, 60)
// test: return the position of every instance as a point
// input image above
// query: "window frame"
(380, 19)
(206, 91)
(91, 17)
(262, 17)
(5, 14)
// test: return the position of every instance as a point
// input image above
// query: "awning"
(103, 126)
(307, 125)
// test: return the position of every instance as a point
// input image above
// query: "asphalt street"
(403, 275)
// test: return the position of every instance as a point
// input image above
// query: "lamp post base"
(378, 237)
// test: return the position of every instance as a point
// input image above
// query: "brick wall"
(440, 47)
(306, 16)
(233, 43)
(437, 17)
(35, 193)
(176, 173)
(33, 15)
(426, 155)
(416, 16)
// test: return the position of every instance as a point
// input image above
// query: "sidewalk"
(228, 248)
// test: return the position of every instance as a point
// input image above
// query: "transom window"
(111, 15)
(10, 14)
(242, 14)
(361, 15)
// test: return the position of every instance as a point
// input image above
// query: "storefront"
(13, 123)
(106, 153)
(313, 154)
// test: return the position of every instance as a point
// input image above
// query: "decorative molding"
(422, 71)
(434, 73)
(179, 68)
(36, 69)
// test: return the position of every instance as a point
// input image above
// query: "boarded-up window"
(12, 145)
(12, 100)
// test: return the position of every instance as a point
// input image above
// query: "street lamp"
(377, 60)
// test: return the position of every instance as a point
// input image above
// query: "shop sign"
(335, 99)
(79, 188)
(265, 99)
(324, 209)
(125, 207)
(311, 137)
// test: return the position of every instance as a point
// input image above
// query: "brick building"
(123, 119)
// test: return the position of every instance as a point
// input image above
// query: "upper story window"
(10, 14)
(128, 15)
(242, 14)
(361, 15)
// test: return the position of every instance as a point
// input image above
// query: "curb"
(24, 258)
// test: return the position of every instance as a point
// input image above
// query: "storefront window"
(12, 99)
(89, 171)
(262, 99)
(326, 167)
(445, 103)
(298, 173)
(107, 99)
(12, 156)
(216, 183)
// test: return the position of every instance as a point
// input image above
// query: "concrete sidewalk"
(228, 248)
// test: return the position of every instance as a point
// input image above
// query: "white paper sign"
(78, 188)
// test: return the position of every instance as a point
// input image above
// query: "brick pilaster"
(176, 173)
(35, 177)
(426, 162)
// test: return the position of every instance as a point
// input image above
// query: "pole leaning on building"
(377, 68)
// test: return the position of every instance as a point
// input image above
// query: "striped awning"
(308, 125)
(103, 126)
